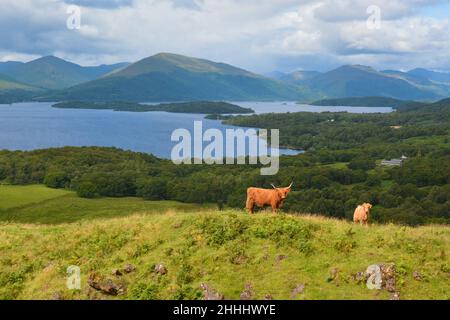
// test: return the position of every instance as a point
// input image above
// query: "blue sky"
(259, 35)
(438, 11)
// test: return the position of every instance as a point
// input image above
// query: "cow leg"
(250, 205)
(274, 209)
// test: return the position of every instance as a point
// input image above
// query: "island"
(364, 102)
(200, 107)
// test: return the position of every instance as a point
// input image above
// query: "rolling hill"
(301, 257)
(7, 83)
(54, 73)
(12, 91)
(431, 75)
(172, 77)
(363, 81)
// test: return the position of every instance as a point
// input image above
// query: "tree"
(152, 189)
(58, 179)
(87, 189)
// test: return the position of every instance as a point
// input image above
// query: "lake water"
(28, 126)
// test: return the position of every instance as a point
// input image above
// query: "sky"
(257, 35)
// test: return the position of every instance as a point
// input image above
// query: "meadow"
(264, 256)
(40, 204)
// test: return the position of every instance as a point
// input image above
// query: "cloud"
(259, 35)
(101, 3)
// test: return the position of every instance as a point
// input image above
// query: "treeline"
(416, 193)
(338, 131)
(202, 107)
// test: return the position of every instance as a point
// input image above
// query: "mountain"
(6, 67)
(299, 76)
(54, 73)
(172, 77)
(277, 75)
(363, 81)
(12, 91)
(413, 78)
(431, 75)
(7, 83)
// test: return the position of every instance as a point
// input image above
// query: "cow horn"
(291, 184)
(273, 186)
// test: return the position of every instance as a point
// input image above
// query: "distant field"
(271, 255)
(18, 196)
(39, 204)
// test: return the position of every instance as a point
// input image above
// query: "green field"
(226, 250)
(19, 196)
(39, 204)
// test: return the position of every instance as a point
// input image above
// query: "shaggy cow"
(266, 197)
(361, 214)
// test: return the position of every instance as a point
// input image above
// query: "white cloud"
(255, 34)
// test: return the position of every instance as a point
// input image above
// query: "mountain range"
(54, 73)
(173, 77)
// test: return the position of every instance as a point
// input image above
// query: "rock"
(395, 296)
(247, 294)
(129, 268)
(106, 286)
(388, 276)
(210, 294)
(381, 276)
(161, 269)
(116, 272)
(417, 276)
(297, 290)
(57, 296)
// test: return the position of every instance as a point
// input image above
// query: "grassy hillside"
(39, 204)
(19, 196)
(228, 251)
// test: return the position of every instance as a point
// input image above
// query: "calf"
(266, 197)
(361, 214)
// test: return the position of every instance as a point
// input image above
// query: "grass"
(18, 196)
(225, 250)
(39, 204)
(43, 231)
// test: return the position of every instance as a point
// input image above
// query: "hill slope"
(7, 83)
(171, 77)
(362, 81)
(431, 75)
(227, 252)
(54, 73)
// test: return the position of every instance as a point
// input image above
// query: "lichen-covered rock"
(129, 268)
(106, 286)
(160, 269)
(210, 294)
(247, 294)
